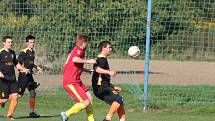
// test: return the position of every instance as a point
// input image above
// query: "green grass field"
(49, 105)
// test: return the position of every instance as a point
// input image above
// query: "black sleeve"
(21, 57)
(99, 63)
(1, 64)
(14, 59)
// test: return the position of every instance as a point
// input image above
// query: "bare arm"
(37, 70)
(22, 69)
(88, 70)
(103, 71)
(11, 78)
(116, 89)
(80, 60)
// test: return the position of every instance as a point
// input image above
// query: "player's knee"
(14, 96)
(32, 95)
(119, 100)
(89, 109)
(86, 102)
(3, 100)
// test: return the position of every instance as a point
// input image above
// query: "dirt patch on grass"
(160, 73)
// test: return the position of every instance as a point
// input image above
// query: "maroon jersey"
(72, 71)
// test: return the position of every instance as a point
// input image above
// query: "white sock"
(122, 120)
(108, 117)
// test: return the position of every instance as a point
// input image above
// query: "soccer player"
(8, 85)
(72, 82)
(102, 87)
(26, 59)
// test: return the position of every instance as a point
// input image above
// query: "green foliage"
(179, 30)
(183, 30)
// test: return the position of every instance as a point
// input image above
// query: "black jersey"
(26, 58)
(102, 88)
(101, 79)
(7, 62)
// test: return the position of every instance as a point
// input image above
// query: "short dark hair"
(103, 44)
(29, 37)
(6, 37)
(80, 39)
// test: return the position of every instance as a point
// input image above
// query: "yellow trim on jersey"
(71, 87)
(2, 49)
(3, 94)
(99, 80)
(100, 75)
(24, 50)
(101, 55)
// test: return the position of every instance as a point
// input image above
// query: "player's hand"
(1, 75)
(25, 70)
(91, 61)
(112, 73)
(116, 90)
(39, 70)
(91, 71)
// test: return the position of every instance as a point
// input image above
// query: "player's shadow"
(42, 116)
(138, 72)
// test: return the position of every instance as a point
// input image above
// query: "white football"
(133, 51)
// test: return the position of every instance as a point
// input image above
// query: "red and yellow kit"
(72, 72)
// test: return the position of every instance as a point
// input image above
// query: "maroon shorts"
(77, 91)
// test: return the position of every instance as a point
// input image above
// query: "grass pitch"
(50, 104)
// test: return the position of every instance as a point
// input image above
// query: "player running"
(26, 59)
(72, 82)
(102, 87)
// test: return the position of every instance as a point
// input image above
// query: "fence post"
(147, 54)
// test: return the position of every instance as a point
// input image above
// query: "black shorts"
(7, 88)
(107, 95)
(26, 81)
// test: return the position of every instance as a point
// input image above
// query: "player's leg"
(113, 108)
(115, 101)
(14, 89)
(121, 113)
(89, 108)
(32, 103)
(31, 85)
(78, 94)
(4, 92)
(22, 81)
(3, 102)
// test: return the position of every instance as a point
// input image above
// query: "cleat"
(10, 117)
(64, 116)
(105, 120)
(33, 115)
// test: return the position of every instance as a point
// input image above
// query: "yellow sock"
(75, 109)
(89, 111)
